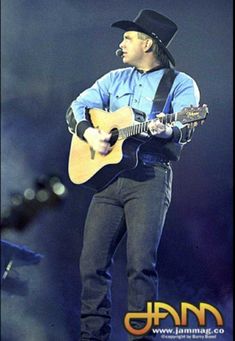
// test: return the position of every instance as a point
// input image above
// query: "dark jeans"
(139, 197)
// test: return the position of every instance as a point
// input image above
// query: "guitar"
(96, 171)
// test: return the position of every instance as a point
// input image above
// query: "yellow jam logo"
(156, 311)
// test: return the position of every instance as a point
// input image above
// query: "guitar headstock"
(190, 115)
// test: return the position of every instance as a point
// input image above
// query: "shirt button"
(140, 84)
(135, 100)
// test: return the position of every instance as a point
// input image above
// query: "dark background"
(51, 51)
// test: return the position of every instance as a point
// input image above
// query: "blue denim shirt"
(130, 87)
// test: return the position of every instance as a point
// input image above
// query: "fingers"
(104, 136)
(105, 149)
(103, 146)
(156, 127)
(100, 142)
(161, 116)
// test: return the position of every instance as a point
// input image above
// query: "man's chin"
(125, 60)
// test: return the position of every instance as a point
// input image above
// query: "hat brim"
(127, 25)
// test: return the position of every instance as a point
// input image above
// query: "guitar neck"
(143, 126)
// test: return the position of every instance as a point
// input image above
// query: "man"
(137, 200)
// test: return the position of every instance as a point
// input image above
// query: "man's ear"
(148, 45)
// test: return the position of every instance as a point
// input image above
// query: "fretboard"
(142, 127)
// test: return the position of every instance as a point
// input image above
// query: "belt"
(153, 158)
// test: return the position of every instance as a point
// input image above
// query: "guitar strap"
(171, 150)
(163, 90)
(160, 98)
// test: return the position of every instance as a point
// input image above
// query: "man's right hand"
(98, 140)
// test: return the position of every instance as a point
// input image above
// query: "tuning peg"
(205, 106)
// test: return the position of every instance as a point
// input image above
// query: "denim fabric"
(140, 198)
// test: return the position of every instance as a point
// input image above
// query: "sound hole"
(114, 136)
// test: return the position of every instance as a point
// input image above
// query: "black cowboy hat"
(153, 24)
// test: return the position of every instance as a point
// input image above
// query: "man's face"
(133, 48)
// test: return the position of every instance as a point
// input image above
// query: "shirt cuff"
(81, 127)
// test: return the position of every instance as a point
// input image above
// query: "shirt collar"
(159, 67)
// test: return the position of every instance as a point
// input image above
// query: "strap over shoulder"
(164, 88)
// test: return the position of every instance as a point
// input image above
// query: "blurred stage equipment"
(17, 255)
(48, 191)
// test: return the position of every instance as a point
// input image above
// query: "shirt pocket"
(120, 98)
